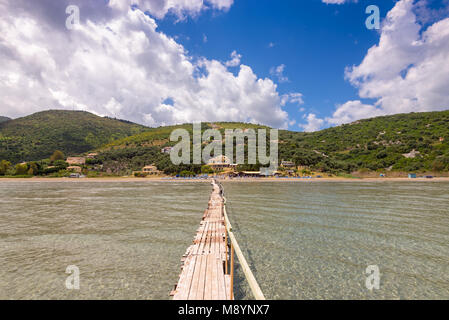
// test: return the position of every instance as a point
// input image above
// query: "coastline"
(160, 179)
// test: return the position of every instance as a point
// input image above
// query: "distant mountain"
(37, 136)
(402, 142)
(4, 119)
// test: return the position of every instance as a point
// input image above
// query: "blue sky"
(303, 65)
(315, 41)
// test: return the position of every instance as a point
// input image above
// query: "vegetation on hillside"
(37, 136)
(415, 142)
(403, 142)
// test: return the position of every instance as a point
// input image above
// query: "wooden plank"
(228, 286)
(215, 278)
(185, 284)
(199, 295)
(202, 275)
(209, 277)
(193, 294)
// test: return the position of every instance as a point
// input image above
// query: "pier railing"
(234, 247)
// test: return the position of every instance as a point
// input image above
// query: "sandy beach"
(161, 179)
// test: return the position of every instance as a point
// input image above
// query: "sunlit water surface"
(315, 240)
(303, 240)
(126, 238)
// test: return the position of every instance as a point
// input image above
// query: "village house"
(287, 164)
(76, 160)
(441, 139)
(166, 150)
(152, 169)
(221, 163)
(75, 169)
(92, 155)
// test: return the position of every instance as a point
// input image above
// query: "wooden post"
(232, 271)
(226, 244)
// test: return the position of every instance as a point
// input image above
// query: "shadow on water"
(241, 288)
(240, 283)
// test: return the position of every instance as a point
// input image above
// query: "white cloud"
(180, 8)
(408, 71)
(294, 97)
(120, 65)
(235, 59)
(313, 123)
(337, 1)
(352, 111)
(278, 72)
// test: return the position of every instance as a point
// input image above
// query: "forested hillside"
(403, 142)
(37, 136)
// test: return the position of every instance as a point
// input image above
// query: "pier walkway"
(203, 275)
(207, 271)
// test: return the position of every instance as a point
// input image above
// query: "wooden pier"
(204, 274)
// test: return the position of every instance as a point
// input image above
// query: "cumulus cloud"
(295, 97)
(180, 8)
(352, 111)
(337, 1)
(278, 72)
(235, 59)
(407, 71)
(313, 123)
(120, 65)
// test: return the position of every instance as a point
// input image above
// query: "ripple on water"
(315, 240)
(126, 238)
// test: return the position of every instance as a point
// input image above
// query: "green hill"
(402, 142)
(4, 119)
(37, 136)
(377, 144)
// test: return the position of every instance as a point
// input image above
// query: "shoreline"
(160, 179)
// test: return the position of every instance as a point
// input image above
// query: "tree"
(33, 169)
(4, 166)
(438, 165)
(207, 170)
(61, 164)
(21, 169)
(57, 155)
(186, 173)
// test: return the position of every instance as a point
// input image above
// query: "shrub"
(21, 169)
(140, 174)
(57, 155)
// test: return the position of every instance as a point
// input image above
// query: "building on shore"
(152, 169)
(75, 169)
(412, 175)
(287, 164)
(252, 174)
(76, 160)
(221, 163)
(166, 150)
